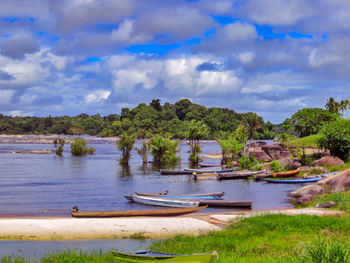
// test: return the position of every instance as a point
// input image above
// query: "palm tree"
(125, 144)
(253, 122)
(196, 130)
(332, 105)
(344, 105)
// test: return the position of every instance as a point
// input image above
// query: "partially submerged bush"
(79, 147)
(275, 166)
(249, 163)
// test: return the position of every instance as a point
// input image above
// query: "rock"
(320, 169)
(257, 144)
(328, 160)
(285, 154)
(305, 169)
(295, 164)
(285, 162)
(336, 183)
(305, 199)
(273, 150)
(326, 153)
(326, 205)
(259, 155)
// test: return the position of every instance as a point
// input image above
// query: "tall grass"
(308, 141)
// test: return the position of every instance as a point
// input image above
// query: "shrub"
(336, 138)
(79, 147)
(125, 144)
(275, 166)
(249, 163)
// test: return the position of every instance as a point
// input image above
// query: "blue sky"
(272, 57)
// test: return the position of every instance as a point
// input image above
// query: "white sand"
(100, 228)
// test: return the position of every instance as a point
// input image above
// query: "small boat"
(293, 181)
(219, 194)
(227, 203)
(211, 165)
(159, 212)
(151, 256)
(237, 175)
(182, 197)
(160, 201)
(286, 174)
(154, 194)
(211, 171)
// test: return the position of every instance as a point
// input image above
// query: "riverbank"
(145, 227)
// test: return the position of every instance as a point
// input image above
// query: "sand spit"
(145, 227)
(109, 228)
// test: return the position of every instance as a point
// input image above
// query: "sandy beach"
(145, 227)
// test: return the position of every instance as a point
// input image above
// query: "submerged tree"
(163, 150)
(125, 144)
(60, 142)
(79, 147)
(230, 148)
(196, 130)
(143, 151)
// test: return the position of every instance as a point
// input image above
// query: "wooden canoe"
(151, 256)
(211, 165)
(219, 194)
(293, 181)
(159, 201)
(191, 171)
(237, 175)
(227, 203)
(286, 174)
(154, 194)
(159, 212)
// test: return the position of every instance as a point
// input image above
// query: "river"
(49, 185)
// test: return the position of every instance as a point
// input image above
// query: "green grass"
(268, 238)
(308, 141)
(336, 168)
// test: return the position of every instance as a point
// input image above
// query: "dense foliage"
(336, 137)
(144, 120)
(310, 121)
(79, 147)
(125, 144)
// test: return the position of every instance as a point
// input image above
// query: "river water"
(49, 185)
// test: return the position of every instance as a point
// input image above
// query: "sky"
(272, 57)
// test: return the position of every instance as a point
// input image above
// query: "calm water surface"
(31, 184)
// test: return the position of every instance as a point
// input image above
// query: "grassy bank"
(269, 238)
(308, 141)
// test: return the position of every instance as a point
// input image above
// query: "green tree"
(60, 142)
(335, 137)
(79, 147)
(332, 105)
(230, 148)
(196, 130)
(253, 122)
(163, 150)
(143, 151)
(310, 121)
(344, 105)
(125, 144)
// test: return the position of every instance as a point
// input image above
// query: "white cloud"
(97, 96)
(6, 95)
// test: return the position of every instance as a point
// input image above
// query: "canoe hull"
(149, 256)
(167, 202)
(157, 213)
(286, 174)
(219, 194)
(293, 181)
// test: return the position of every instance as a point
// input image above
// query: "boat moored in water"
(160, 201)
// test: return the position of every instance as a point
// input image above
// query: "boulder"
(328, 160)
(305, 169)
(326, 153)
(273, 150)
(326, 205)
(295, 164)
(257, 144)
(259, 155)
(285, 154)
(336, 183)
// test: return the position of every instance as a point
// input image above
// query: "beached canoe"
(286, 174)
(151, 256)
(237, 175)
(183, 197)
(293, 181)
(197, 171)
(227, 203)
(219, 194)
(159, 212)
(160, 201)
(211, 171)
(153, 194)
(211, 165)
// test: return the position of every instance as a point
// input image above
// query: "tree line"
(145, 121)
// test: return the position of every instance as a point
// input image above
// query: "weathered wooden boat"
(211, 171)
(154, 194)
(293, 181)
(211, 165)
(159, 212)
(159, 201)
(237, 175)
(191, 171)
(219, 194)
(151, 256)
(189, 197)
(227, 203)
(286, 174)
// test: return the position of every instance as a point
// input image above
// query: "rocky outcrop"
(285, 154)
(336, 183)
(273, 150)
(259, 155)
(293, 164)
(328, 160)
